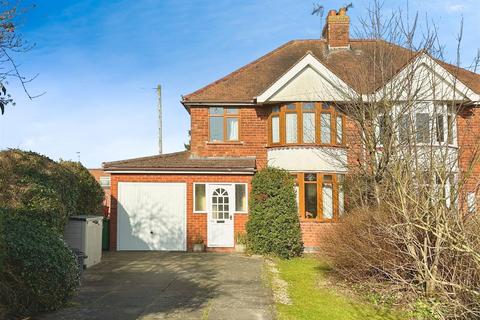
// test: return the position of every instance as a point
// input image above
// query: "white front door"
(220, 204)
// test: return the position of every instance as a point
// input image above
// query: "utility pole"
(159, 93)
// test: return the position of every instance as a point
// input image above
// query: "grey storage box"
(84, 233)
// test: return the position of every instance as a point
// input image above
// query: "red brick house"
(278, 110)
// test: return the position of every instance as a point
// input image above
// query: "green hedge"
(38, 271)
(273, 226)
(90, 193)
(52, 190)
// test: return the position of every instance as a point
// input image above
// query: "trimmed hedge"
(274, 226)
(90, 193)
(39, 184)
(38, 272)
(52, 190)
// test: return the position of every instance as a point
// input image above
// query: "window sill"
(225, 143)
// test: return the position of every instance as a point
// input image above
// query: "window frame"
(335, 193)
(194, 198)
(103, 185)
(318, 110)
(225, 115)
(246, 197)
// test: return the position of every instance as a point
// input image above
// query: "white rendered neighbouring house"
(280, 110)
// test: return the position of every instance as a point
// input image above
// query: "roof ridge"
(239, 69)
(166, 155)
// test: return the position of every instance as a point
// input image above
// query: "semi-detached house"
(280, 110)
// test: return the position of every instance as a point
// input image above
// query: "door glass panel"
(220, 204)
(240, 197)
(200, 199)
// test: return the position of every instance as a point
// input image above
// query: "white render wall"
(308, 159)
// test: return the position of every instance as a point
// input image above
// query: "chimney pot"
(337, 29)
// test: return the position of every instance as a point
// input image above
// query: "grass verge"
(314, 298)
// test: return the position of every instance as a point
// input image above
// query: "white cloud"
(457, 7)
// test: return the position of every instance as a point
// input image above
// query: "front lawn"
(313, 298)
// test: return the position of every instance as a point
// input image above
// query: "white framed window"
(105, 181)
(241, 197)
(199, 198)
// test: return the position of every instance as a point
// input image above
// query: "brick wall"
(196, 222)
(97, 173)
(252, 130)
(468, 132)
(313, 233)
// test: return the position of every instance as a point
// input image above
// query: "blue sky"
(98, 62)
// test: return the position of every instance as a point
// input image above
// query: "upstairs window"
(275, 123)
(291, 124)
(422, 126)
(308, 114)
(223, 124)
(306, 123)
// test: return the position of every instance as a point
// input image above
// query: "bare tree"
(11, 44)
(411, 170)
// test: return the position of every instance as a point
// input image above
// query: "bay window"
(320, 196)
(308, 116)
(326, 124)
(223, 124)
(306, 123)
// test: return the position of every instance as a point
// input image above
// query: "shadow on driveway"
(162, 285)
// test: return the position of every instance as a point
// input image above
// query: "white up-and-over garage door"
(151, 216)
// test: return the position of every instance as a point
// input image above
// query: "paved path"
(161, 285)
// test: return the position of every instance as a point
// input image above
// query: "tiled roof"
(248, 82)
(183, 161)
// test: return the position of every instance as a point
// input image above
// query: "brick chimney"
(337, 29)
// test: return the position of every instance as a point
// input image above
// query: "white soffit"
(431, 80)
(308, 80)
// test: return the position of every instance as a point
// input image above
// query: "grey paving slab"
(163, 285)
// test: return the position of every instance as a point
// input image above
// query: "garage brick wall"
(196, 222)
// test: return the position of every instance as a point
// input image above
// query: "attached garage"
(169, 202)
(151, 216)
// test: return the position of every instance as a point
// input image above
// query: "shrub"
(35, 182)
(273, 226)
(90, 193)
(39, 272)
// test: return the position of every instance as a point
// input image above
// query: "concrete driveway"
(162, 285)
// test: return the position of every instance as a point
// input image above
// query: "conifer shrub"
(273, 227)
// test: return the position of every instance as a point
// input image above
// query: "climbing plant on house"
(274, 226)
